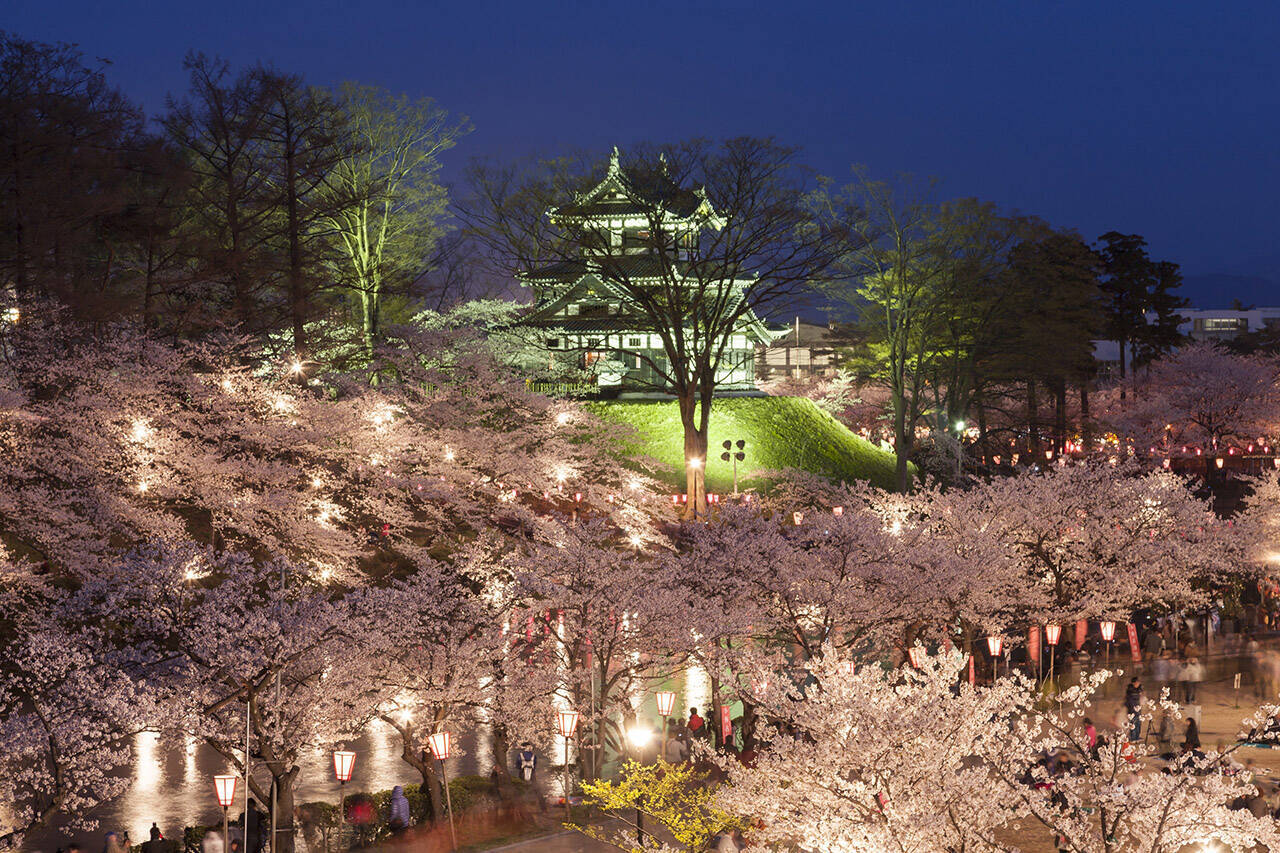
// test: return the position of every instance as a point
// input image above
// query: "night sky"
(1161, 119)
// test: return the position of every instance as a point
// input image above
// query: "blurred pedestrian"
(155, 844)
(1133, 705)
(399, 817)
(212, 842)
(111, 844)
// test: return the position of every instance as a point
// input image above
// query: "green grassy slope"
(781, 432)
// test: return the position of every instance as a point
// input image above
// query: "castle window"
(553, 343)
(635, 342)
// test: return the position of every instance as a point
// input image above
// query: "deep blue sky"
(1158, 118)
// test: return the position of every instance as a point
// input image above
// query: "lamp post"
(1108, 629)
(638, 736)
(439, 743)
(666, 702)
(736, 456)
(224, 788)
(567, 724)
(994, 644)
(343, 762)
(1052, 633)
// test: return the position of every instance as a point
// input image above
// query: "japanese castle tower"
(586, 306)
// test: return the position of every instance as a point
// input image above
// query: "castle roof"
(622, 195)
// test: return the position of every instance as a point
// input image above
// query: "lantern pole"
(666, 701)
(440, 748)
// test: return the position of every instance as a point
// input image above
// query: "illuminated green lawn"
(781, 432)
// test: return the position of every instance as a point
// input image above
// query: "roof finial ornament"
(613, 161)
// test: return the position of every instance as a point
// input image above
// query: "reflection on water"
(173, 783)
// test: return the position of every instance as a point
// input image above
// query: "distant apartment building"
(1198, 324)
(804, 349)
(1219, 324)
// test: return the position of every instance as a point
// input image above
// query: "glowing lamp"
(567, 723)
(1276, 461)
(577, 497)
(343, 762)
(1108, 630)
(666, 701)
(224, 788)
(639, 736)
(1052, 633)
(1048, 454)
(914, 654)
(837, 511)
(994, 644)
(797, 517)
(439, 743)
(1219, 461)
(695, 462)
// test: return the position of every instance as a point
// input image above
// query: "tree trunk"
(1033, 415)
(695, 456)
(284, 840)
(1060, 415)
(1085, 437)
(901, 446)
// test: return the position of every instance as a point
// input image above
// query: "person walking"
(1193, 674)
(398, 820)
(212, 842)
(695, 724)
(111, 844)
(526, 761)
(1133, 705)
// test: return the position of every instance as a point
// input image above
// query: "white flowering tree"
(1097, 541)
(907, 759)
(252, 654)
(1200, 394)
(874, 759)
(1123, 795)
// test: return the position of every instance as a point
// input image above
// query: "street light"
(666, 702)
(343, 762)
(224, 788)
(567, 723)
(737, 456)
(1108, 629)
(1052, 633)
(638, 736)
(994, 644)
(439, 743)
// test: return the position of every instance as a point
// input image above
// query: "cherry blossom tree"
(906, 759)
(1097, 541)
(602, 619)
(1199, 394)
(1123, 795)
(259, 655)
(433, 659)
(872, 760)
(68, 719)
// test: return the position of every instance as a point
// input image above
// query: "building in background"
(803, 350)
(580, 314)
(1220, 324)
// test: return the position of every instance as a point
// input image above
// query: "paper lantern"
(343, 762)
(224, 787)
(439, 743)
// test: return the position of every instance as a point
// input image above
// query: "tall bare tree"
(218, 128)
(397, 216)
